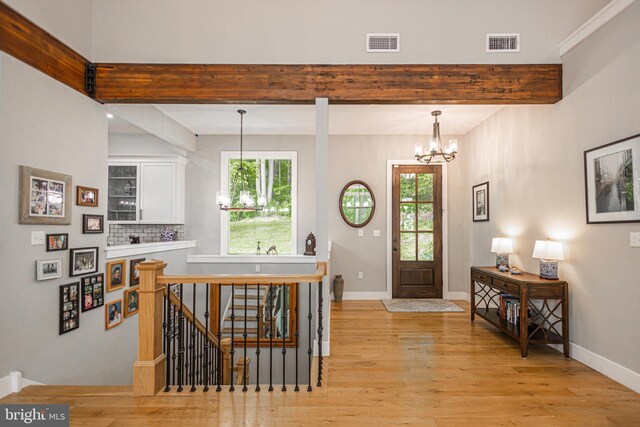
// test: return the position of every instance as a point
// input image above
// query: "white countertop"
(146, 248)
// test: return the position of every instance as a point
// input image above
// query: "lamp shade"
(502, 245)
(547, 249)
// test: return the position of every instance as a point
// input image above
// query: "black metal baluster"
(320, 328)
(219, 348)
(193, 342)
(206, 340)
(270, 298)
(244, 335)
(285, 329)
(233, 317)
(167, 335)
(174, 340)
(297, 335)
(180, 342)
(309, 350)
(258, 337)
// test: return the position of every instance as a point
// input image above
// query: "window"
(273, 174)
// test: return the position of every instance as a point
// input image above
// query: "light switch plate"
(37, 237)
(360, 275)
(257, 268)
(634, 240)
(376, 233)
(360, 233)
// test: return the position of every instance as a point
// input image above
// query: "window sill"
(250, 259)
(146, 248)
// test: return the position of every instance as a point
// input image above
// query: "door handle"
(140, 214)
(395, 244)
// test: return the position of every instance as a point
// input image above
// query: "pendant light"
(435, 145)
(246, 202)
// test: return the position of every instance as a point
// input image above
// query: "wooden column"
(149, 369)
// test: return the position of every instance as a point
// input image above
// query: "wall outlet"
(634, 240)
(376, 233)
(37, 237)
(360, 275)
(257, 268)
(360, 233)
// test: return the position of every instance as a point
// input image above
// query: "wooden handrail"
(175, 301)
(249, 279)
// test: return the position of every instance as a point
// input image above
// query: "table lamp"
(549, 253)
(502, 247)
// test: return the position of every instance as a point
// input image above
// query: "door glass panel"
(122, 204)
(425, 246)
(407, 187)
(425, 216)
(407, 246)
(407, 216)
(425, 187)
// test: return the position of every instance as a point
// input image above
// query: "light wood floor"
(427, 369)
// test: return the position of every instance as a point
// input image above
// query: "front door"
(417, 231)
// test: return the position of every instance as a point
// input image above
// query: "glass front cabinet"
(146, 190)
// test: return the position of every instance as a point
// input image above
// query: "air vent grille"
(503, 42)
(383, 42)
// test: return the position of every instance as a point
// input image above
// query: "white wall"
(330, 31)
(533, 159)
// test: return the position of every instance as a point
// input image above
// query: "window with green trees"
(272, 174)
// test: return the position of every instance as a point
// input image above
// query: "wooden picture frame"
(116, 275)
(83, 261)
(480, 202)
(131, 301)
(45, 197)
(47, 269)
(87, 196)
(342, 207)
(92, 224)
(134, 275)
(612, 184)
(69, 307)
(92, 289)
(57, 242)
(113, 314)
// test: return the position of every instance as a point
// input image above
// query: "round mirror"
(357, 204)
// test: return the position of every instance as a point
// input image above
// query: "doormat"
(428, 305)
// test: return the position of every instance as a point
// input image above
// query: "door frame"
(445, 233)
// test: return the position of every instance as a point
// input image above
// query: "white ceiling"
(343, 119)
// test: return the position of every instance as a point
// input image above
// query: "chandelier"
(245, 201)
(435, 146)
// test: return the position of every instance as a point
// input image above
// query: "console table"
(544, 306)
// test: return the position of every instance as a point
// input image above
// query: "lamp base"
(549, 269)
(502, 258)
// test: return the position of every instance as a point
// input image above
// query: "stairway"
(242, 312)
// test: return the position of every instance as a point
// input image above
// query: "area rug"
(429, 305)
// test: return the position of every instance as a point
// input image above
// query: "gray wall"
(203, 181)
(533, 159)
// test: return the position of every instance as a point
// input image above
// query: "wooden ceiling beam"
(32, 45)
(342, 84)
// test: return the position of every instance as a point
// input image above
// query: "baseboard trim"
(606, 367)
(364, 296)
(7, 386)
(458, 296)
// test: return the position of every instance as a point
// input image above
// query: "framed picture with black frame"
(480, 202)
(92, 291)
(83, 261)
(57, 242)
(69, 307)
(92, 224)
(612, 182)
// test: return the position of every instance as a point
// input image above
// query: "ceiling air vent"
(503, 42)
(383, 42)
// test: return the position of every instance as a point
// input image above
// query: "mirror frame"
(373, 207)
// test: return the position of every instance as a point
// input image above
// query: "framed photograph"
(69, 307)
(48, 269)
(113, 314)
(480, 202)
(131, 303)
(92, 288)
(83, 261)
(116, 274)
(612, 182)
(44, 197)
(57, 242)
(87, 196)
(134, 279)
(92, 224)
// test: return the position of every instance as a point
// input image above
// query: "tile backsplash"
(119, 233)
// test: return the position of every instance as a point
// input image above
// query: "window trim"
(225, 156)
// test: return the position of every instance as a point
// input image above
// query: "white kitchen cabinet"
(146, 189)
